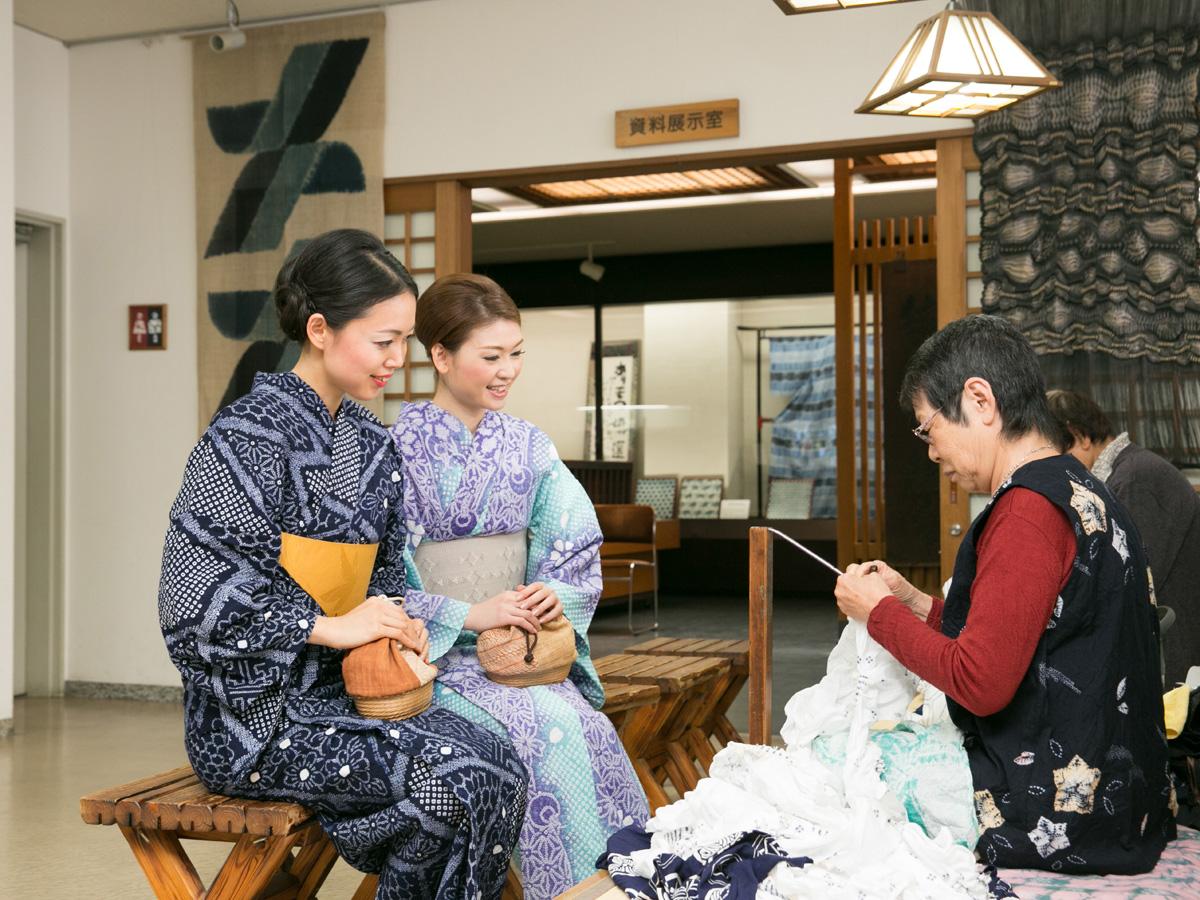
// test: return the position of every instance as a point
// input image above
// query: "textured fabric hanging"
(1088, 235)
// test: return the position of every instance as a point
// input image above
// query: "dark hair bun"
(340, 274)
(291, 302)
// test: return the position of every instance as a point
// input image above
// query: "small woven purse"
(387, 680)
(513, 656)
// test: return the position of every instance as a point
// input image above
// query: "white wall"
(42, 153)
(132, 416)
(471, 86)
(7, 371)
(511, 83)
(554, 381)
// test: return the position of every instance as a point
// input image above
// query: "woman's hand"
(420, 635)
(540, 600)
(899, 586)
(859, 591)
(501, 611)
(374, 618)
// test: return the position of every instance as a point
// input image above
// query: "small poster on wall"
(148, 327)
(619, 387)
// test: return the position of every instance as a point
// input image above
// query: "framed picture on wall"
(700, 496)
(660, 493)
(148, 327)
(790, 498)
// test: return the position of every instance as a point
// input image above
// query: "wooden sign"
(671, 124)
(148, 327)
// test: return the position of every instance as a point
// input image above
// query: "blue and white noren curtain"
(289, 144)
(804, 436)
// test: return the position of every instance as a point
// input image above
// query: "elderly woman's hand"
(859, 591)
(900, 587)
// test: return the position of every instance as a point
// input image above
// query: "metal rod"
(758, 410)
(799, 546)
(597, 413)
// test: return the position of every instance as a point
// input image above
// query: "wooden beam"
(762, 601)
(683, 161)
(952, 304)
(452, 228)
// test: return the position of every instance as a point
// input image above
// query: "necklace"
(1009, 474)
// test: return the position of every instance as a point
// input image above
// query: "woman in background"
(500, 533)
(431, 803)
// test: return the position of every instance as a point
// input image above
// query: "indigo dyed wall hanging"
(289, 143)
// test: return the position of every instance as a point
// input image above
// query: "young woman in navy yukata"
(500, 533)
(433, 803)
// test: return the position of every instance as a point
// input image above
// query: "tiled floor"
(62, 749)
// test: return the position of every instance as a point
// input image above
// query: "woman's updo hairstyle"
(340, 274)
(455, 305)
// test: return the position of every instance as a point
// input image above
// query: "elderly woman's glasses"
(922, 430)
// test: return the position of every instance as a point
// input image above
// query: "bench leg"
(312, 865)
(368, 887)
(167, 867)
(252, 863)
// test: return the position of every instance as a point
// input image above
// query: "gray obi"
(473, 569)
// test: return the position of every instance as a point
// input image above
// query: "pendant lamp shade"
(792, 7)
(958, 63)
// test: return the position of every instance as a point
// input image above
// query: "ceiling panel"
(751, 224)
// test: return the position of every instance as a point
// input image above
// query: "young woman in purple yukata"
(500, 533)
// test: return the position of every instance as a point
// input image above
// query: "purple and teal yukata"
(433, 803)
(504, 479)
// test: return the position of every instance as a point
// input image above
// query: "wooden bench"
(758, 667)
(155, 813)
(717, 727)
(664, 740)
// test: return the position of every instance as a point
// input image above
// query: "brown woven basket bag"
(513, 656)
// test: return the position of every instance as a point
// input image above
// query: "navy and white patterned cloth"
(433, 804)
(804, 435)
(731, 872)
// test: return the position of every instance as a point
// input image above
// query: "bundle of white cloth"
(873, 785)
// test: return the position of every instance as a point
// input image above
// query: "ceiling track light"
(958, 63)
(590, 268)
(233, 37)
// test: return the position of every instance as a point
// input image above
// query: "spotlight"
(234, 37)
(590, 268)
(227, 40)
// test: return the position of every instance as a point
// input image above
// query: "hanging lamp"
(794, 7)
(958, 63)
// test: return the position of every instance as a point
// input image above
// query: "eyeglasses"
(922, 430)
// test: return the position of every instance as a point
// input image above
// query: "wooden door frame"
(453, 233)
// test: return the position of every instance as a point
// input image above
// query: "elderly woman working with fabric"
(1046, 643)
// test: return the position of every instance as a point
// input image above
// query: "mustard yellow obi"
(334, 574)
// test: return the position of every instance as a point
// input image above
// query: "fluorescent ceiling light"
(898, 185)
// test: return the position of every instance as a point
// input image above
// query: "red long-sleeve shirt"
(1025, 556)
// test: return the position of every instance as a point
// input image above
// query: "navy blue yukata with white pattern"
(432, 803)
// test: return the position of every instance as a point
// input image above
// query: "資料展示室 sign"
(682, 122)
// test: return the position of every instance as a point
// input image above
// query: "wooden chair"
(155, 813)
(629, 531)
